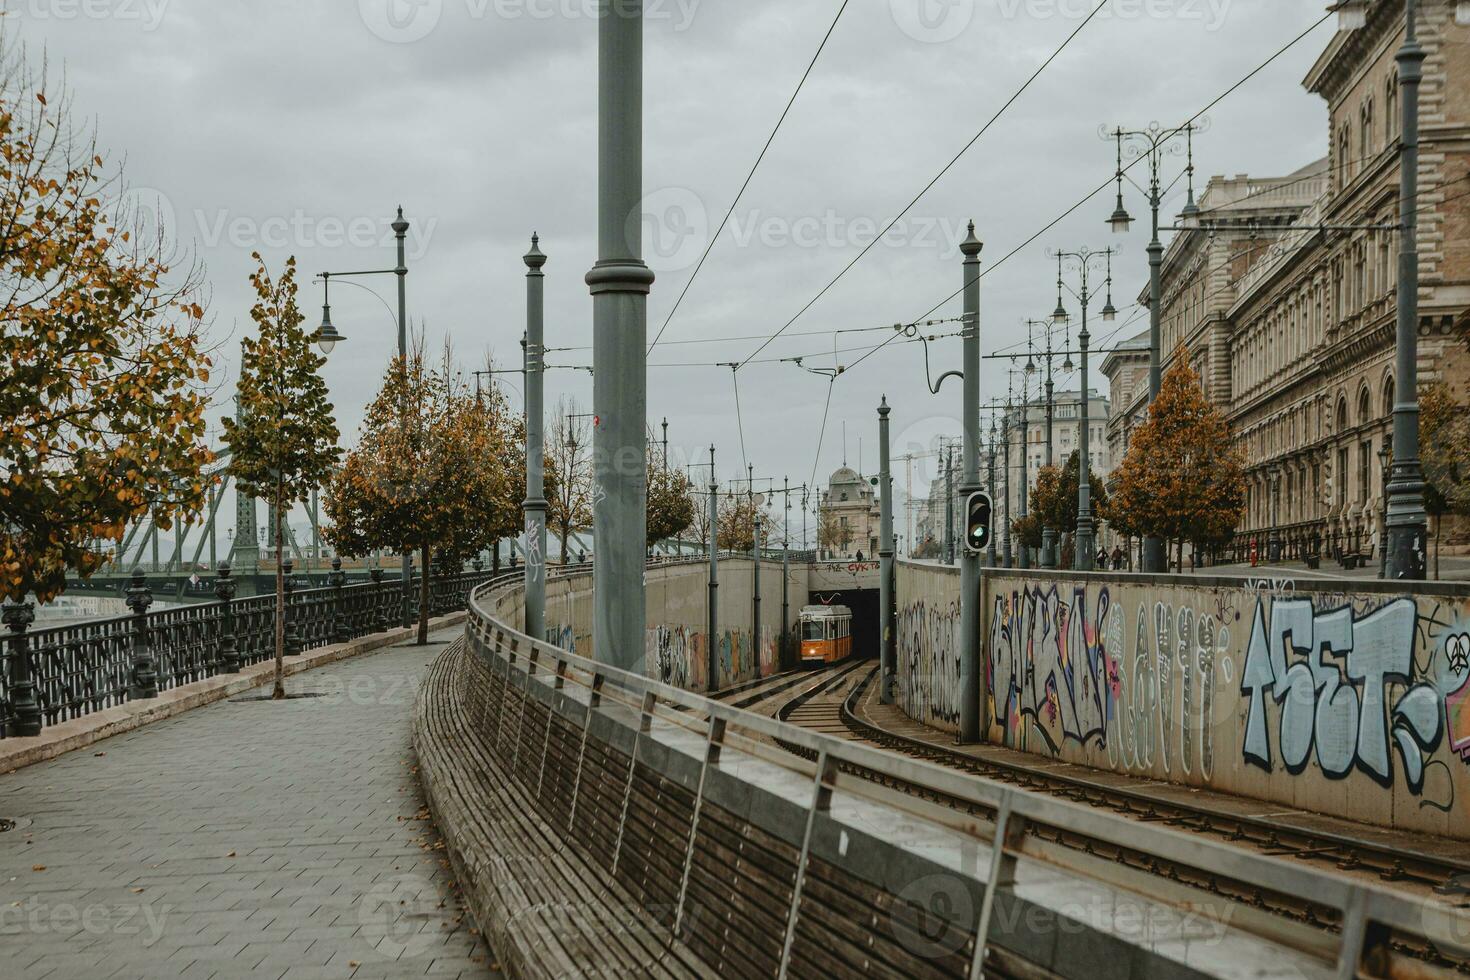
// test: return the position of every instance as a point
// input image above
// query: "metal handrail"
(1359, 903)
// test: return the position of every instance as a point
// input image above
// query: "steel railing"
(1022, 821)
(58, 674)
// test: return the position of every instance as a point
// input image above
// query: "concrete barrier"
(604, 823)
(677, 638)
(1349, 699)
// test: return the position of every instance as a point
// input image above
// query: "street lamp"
(1082, 558)
(1406, 525)
(1153, 143)
(328, 336)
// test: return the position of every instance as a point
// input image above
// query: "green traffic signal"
(979, 510)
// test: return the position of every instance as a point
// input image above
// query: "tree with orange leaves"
(102, 369)
(1182, 479)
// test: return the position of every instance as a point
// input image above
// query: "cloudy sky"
(296, 128)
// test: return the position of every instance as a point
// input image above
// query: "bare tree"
(569, 464)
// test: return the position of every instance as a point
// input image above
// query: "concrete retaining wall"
(1353, 703)
(927, 624)
(677, 639)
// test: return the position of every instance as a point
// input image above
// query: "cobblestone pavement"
(274, 840)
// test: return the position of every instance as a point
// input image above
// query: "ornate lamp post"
(1154, 143)
(380, 614)
(328, 337)
(1082, 559)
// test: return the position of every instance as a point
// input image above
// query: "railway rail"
(839, 709)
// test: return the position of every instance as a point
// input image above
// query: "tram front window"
(812, 630)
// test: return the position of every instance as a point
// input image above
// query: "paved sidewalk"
(283, 841)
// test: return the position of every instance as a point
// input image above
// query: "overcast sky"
(296, 127)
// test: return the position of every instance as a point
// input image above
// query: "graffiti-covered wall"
(676, 640)
(927, 624)
(1349, 703)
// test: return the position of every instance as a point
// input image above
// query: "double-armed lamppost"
(1154, 143)
(1048, 533)
(1082, 558)
(328, 337)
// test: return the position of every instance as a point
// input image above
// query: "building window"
(1365, 453)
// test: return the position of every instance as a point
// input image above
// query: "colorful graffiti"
(1331, 672)
(929, 661)
(678, 656)
(562, 637)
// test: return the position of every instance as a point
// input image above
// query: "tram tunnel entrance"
(864, 605)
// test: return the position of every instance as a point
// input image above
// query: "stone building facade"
(851, 503)
(1291, 325)
(1027, 456)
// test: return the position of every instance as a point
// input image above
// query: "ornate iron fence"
(54, 675)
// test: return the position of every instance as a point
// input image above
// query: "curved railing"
(87, 667)
(853, 861)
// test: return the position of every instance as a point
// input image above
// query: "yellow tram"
(826, 635)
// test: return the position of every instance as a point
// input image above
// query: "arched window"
(1388, 397)
(1391, 109)
(1342, 416)
(1363, 408)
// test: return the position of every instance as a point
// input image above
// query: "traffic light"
(978, 512)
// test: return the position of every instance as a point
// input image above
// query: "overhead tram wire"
(784, 360)
(709, 246)
(927, 187)
(1109, 182)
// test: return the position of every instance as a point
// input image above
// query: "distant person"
(859, 556)
(1101, 560)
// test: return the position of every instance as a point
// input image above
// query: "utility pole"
(400, 233)
(785, 569)
(1023, 556)
(887, 649)
(1406, 517)
(990, 557)
(948, 505)
(970, 676)
(1005, 430)
(1048, 533)
(712, 642)
(666, 442)
(620, 283)
(535, 506)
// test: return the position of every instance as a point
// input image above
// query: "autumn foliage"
(1182, 479)
(101, 365)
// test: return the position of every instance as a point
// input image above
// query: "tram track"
(835, 710)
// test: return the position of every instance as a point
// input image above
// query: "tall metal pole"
(1407, 524)
(1153, 546)
(712, 640)
(1049, 556)
(755, 590)
(948, 506)
(400, 233)
(535, 506)
(1005, 438)
(1023, 551)
(887, 649)
(666, 443)
(990, 556)
(970, 599)
(1082, 552)
(785, 567)
(619, 284)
